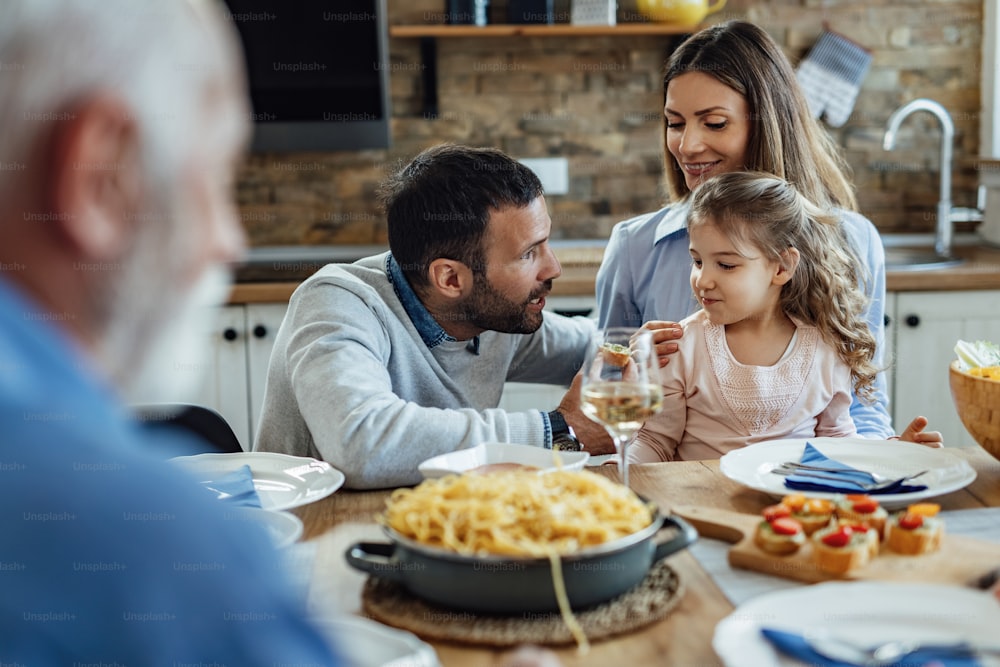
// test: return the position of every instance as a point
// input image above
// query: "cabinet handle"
(912, 320)
(886, 320)
(230, 334)
(259, 331)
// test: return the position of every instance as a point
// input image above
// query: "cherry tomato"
(866, 506)
(786, 526)
(838, 538)
(911, 521)
(773, 512)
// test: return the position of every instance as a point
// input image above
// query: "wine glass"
(621, 388)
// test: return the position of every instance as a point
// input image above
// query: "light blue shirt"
(646, 275)
(108, 554)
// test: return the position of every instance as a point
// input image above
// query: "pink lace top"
(713, 404)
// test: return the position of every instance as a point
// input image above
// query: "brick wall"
(597, 101)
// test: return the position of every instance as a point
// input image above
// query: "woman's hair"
(758, 210)
(785, 140)
(439, 205)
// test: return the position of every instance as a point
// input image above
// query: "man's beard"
(489, 309)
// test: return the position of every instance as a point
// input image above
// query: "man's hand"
(915, 433)
(663, 333)
(593, 436)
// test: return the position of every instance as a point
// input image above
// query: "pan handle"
(685, 538)
(374, 558)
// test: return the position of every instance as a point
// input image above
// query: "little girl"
(781, 338)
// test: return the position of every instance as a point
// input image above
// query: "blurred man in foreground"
(120, 125)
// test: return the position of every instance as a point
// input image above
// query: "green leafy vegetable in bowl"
(980, 354)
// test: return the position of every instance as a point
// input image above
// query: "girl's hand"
(915, 433)
(663, 333)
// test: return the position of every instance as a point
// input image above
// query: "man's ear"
(787, 265)
(95, 178)
(450, 278)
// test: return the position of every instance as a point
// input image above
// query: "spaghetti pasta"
(517, 513)
(520, 513)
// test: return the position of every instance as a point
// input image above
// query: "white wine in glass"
(621, 385)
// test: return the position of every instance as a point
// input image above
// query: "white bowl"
(498, 452)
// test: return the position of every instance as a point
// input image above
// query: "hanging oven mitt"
(848, 479)
(831, 75)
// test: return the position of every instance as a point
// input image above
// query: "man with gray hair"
(121, 122)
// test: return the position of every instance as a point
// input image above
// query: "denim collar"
(430, 331)
(674, 221)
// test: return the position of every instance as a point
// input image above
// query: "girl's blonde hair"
(785, 140)
(755, 209)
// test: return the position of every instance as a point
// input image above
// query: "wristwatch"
(563, 438)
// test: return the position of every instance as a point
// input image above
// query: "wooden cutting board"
(961, 560)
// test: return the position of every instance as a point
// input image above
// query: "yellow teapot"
(685, 12)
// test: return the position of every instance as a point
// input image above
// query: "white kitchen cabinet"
(224, 385)
(241, 340)
(263, 320)
(926, 327)
(890, 345)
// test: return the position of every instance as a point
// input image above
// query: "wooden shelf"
(428, 34)
(539, 30)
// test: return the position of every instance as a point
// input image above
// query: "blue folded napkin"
(235, 488)
(848, 478)
(793, 644)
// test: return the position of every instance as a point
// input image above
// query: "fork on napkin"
(235, 488)
(847, 479)
(796, 646)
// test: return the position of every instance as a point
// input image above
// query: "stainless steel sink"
(916, 252)
(917, 259)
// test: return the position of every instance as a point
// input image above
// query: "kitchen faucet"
(943, 230)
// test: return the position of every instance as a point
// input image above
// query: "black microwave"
(318, 72)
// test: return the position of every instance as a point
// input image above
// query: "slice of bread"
(914, 541)
(776, 543)
(863, 509)
(860, 548)
(615, 355)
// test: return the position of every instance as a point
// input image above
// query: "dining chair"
(204, 422)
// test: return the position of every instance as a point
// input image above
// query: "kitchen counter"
(275, 283)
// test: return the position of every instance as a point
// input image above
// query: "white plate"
(595, 461)
(752, 465)
(283, 528)
(869, 612)
(282, 481)
(366, 643)
(495, 452)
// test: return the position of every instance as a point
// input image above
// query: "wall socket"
(553, 172)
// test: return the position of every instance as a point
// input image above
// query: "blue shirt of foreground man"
(115, 225)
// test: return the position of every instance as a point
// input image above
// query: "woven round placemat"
(649, 601)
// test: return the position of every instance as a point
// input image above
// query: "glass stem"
(620, 442)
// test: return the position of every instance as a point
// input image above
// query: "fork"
(865, 486)
(887, 653)
(876, 478)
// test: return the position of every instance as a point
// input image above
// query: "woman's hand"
(663, 334)
(915, 433)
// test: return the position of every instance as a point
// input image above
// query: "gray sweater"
(351, 381)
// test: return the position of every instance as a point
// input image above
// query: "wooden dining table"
(683, 637)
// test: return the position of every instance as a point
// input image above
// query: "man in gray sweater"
(398, 357)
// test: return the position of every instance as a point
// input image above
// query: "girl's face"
(732, 283)
(708, 126)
